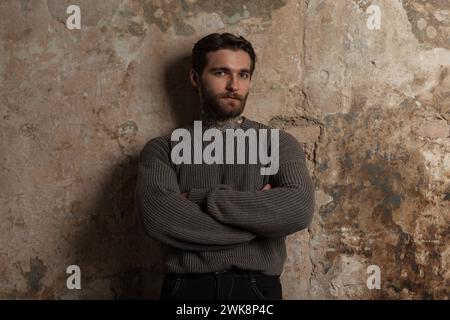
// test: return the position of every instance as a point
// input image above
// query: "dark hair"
(216, 41)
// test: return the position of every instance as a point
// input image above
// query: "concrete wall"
(372, 107)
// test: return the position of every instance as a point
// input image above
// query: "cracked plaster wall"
(372, 108)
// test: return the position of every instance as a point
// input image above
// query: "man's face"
(225, 83)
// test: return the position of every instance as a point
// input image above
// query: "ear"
(195, 79)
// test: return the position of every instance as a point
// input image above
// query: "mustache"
(231, 95)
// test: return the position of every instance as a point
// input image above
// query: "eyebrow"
(228, 69)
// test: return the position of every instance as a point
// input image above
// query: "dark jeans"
(232, 284)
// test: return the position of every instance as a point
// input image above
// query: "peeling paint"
(174, 13)
(430, 21)
(35, 275)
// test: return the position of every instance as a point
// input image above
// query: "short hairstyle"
(216, 41)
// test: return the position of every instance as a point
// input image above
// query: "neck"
(221, 124)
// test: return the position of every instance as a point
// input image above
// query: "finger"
(267, 187)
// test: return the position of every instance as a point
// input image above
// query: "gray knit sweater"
(227, 220)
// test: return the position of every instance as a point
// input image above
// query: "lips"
(231, 98)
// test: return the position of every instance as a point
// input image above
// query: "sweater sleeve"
(286, 208)
(170, 218)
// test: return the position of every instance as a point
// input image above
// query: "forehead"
(228, 58)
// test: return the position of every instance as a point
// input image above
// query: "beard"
(221, 109)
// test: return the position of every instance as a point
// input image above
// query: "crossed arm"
(266, 187)
(220, 218)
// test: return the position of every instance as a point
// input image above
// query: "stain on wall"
(382, 163)
(430, 22)
(187, 15)
(371, 107)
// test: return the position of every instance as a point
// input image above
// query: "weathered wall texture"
(382, 162)
(371, 106)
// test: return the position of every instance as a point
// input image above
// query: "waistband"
(232, 271)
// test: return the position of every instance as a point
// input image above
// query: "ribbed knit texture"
(227, 220)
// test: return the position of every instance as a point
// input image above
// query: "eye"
(219, 73)
(244, 75)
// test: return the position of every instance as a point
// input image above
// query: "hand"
(185, 194)
(267, 187)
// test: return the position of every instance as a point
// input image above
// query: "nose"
(232, 84)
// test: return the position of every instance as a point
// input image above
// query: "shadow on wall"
(182, 96)
(118, 260)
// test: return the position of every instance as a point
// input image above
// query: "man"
(223, 226)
